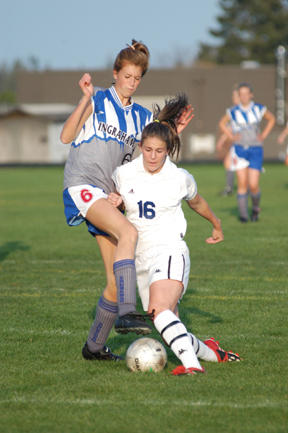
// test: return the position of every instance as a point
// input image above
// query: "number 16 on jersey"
(146, 209)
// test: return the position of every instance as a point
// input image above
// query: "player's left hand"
(114, 199)
(185, 117)
(217, 236)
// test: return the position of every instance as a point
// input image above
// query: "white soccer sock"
(202, 351)
(175, 335)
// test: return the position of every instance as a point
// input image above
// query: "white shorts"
(84, 196)
(162, 264)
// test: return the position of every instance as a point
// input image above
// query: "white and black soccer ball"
(146, 354)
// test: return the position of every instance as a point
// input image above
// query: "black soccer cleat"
(243, 220)
(227, 191)
(133, 322)
(104, 354)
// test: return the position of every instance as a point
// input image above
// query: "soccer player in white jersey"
(245, 119)
(152, 189)
(104, 130)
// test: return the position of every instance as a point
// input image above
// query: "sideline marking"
(101, 402)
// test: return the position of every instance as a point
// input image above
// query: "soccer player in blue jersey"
(245, 119)
(152, 188)
(104, 130)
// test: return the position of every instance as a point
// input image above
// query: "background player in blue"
(152, 188)
(245, 119)
(104, 130)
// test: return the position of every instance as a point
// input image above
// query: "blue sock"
(106, 314)
(243, 205)
(125, 274)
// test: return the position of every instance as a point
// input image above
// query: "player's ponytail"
(165, 124)
(137, 53)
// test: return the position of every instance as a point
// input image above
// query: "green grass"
(51, 277)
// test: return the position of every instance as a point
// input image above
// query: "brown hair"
(165, 124)
(136, 53)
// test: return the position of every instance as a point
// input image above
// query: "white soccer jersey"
(153, 201)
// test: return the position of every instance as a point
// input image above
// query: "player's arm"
(224, 128)
(222, 141)
(80, 114)
(200, 206)
(282, 135)
(269, 125)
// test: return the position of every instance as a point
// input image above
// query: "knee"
(133, 232)
(129, 233)
(254, 189)
(242, 190)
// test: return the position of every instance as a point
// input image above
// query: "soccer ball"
(146, 354)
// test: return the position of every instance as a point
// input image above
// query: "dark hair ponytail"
(165, 123)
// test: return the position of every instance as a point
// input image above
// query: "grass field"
(50, 280)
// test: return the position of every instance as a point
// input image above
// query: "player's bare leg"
(242, 194)
(253, 182)
(230, 174)
(107, 218)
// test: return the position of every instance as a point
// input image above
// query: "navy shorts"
(252, 154)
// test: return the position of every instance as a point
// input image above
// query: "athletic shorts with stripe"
(77, 200)
(251, 157)
(162, 263)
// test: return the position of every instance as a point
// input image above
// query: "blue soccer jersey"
(246, 123)
(106, 141)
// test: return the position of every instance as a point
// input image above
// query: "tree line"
(246, 30)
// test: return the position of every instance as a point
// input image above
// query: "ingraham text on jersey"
(117, 133)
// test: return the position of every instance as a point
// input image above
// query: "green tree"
(8, 78)
(248, 30)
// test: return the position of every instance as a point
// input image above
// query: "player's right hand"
(86, 85)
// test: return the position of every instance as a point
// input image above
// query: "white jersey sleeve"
(191, 185)
(116, 179)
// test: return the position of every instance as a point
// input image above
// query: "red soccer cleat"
(181, 370)
(221, 354)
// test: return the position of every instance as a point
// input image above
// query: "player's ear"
(115, 74)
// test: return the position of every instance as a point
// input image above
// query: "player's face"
(154, 152)
(245, 96)
(127, 80)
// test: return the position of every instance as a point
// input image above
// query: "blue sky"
(88, 34)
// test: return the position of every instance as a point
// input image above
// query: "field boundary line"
(104, 402)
